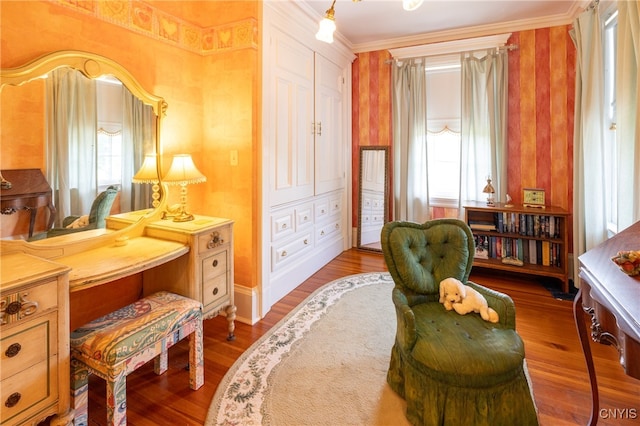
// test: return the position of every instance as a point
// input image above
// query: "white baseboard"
(246, 300)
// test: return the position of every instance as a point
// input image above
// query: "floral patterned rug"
(240, 397)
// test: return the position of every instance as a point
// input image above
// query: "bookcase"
(521, 239)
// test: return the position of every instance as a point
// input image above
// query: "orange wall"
(540, 121)
(211, 96)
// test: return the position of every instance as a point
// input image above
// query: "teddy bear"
(464, 299)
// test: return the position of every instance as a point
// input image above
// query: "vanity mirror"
(46, 122)
(373, 208)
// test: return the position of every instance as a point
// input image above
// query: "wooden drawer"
(304, 216)
(214, 265)
(290, 250)
(34, 389)
(33, 301)
(328, 229)
(30, 343)
(282, 224)
(213, 239)
(214, 290)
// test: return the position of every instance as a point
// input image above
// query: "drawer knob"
(215, 291)
(306, 242)
(284, 253)
(13, 350)
(13, 399)
(284, 226)
(215, 263)
(13, 308)
(322, 232)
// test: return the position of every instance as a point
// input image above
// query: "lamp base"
(183, 217)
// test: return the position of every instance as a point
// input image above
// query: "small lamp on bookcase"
(489, 190)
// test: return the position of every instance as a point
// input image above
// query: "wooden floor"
(554, 358)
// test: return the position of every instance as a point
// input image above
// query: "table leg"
(578, 315)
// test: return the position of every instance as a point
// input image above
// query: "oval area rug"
(323, 364)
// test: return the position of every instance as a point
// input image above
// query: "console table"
(610, 298)
(29, 191)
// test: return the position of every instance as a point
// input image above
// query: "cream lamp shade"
(182, 172)
(327, 26)
(148, 173)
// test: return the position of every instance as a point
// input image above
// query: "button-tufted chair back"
(421, 255)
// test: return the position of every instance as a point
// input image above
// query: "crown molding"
(475, 31)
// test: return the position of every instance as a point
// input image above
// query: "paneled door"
(329, 140)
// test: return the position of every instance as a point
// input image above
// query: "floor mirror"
(373, 206)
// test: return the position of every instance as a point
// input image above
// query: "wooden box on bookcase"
(521, 239)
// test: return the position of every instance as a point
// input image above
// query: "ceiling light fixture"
(411, 4)
(327, 25)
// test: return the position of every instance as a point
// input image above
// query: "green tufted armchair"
(451, 369)
(100, 209)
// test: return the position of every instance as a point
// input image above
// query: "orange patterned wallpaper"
(150, 21)
(540, 121)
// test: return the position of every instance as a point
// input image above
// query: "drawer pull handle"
(337, 226)
(306, 242)
(306, 218)
(13, 399)
(13, 308)
(322, 232)
(215, 240)
(215, 291)
(13, 350)
(284, 226)
(284, 253)
(322, 211)
(215, 263)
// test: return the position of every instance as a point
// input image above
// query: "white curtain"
(483, 125)
(589, 215)
(138, 127)
(71, 141)
(409, 100)
(628, 112)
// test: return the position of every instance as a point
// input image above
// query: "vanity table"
(611, 298)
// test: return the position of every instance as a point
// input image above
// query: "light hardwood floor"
(554, 358)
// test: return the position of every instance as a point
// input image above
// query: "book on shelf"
(482, 226)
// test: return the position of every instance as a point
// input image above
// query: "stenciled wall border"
(144, 19)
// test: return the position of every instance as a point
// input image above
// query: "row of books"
(535, 252)
(531, 225)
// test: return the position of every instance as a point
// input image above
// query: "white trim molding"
(451, 47)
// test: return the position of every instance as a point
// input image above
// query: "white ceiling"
(379, 24)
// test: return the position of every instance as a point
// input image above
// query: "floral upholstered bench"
(118, 343)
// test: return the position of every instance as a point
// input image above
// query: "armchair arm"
(69, 220)
(406, 334)
(500, 302)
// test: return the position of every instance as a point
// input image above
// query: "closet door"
(291, 144)
(329, 143)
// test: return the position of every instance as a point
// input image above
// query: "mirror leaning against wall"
(83, 125)
(373, 205)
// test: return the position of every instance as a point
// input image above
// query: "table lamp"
(183, 172)
(148, 173)
(488, 189)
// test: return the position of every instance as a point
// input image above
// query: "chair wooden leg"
(117, 400)
(196, 358)
(80, 392)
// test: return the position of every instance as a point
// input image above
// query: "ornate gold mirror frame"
(92, 66)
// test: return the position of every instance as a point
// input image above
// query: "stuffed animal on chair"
(464, 299)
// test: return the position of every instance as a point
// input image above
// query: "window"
(110, 118)
(443, 131)
(610, 146)
(109, 155)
